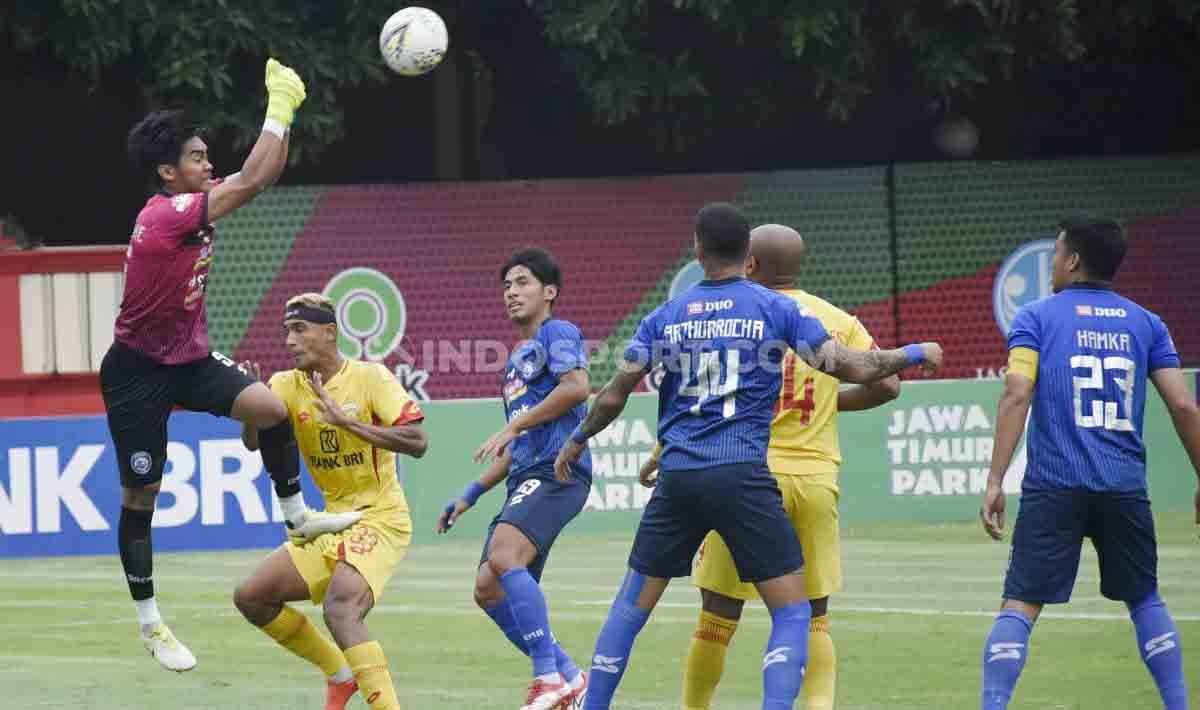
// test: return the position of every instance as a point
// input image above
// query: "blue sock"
(786, 656)
(1004, 655)
(615, 643)
(528, 607)
(566, 667)
(1158, 644)
(502, 615)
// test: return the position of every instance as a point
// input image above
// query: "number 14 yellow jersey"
(804, 435)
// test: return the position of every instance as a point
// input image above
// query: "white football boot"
(167, 650)
(317, 523)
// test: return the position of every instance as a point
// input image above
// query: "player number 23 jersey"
(1095, 350)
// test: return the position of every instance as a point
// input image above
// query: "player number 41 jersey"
(721, 345)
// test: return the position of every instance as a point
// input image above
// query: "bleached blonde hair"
(312, 300)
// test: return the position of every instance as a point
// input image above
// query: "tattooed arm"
(861, 366)
(605, 408)
(611, 400)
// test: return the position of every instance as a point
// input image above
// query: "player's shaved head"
(778, 252)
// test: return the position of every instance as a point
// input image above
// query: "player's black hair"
(539, 262)
(158, 140)
(1099, 242)
(723, 231)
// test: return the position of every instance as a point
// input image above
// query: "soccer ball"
(413, 41)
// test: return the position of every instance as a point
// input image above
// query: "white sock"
(147, 611)
(294, 508)
(344, 675)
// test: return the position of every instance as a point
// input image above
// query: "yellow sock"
(706, 660)
(820, 680)
(370, 669)
(292, 630)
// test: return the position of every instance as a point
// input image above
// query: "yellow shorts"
(811, 503)
(374, 547)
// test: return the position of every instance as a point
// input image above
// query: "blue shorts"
(1049, 535)
(540, 507)
(740, 501)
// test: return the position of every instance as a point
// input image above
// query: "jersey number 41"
(713, 377)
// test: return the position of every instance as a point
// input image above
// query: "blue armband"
(472, 493)
(578, 436)
(915, 354)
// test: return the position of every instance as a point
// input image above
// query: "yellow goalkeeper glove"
(285, 92)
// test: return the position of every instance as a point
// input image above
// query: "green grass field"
(909, 628)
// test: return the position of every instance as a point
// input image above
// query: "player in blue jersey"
(1082, 358)
(545, 392)
(721, 345)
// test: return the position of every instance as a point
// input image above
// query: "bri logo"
(607, 664)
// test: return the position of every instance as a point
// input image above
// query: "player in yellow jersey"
(804, 457)
(351, 419)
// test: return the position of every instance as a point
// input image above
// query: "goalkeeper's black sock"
(137, 552)
(281, 456)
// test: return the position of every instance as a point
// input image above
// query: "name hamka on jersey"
(1101, 340)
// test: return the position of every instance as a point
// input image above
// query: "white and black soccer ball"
(413, 41)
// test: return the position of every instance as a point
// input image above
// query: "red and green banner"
(934, 251)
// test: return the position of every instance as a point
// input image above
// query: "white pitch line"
(424, 579)
(909, 611)
(676, 597)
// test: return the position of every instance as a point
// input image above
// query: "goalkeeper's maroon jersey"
(166, 271)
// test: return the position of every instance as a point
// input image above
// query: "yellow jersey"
(804, 435)
(351, 473)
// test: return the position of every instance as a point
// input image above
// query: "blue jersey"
(530, 376)
(1095, 351)
(721, 344)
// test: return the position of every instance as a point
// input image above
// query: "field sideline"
(909, 629)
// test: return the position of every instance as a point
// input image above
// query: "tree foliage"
(678, 55)
(208, 55)
(683, 63)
